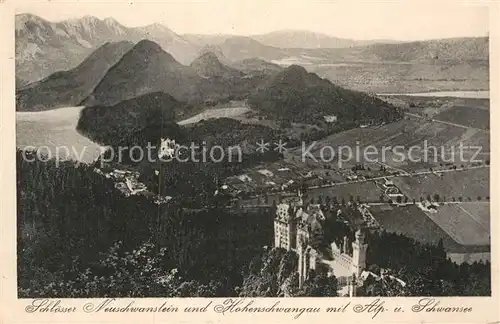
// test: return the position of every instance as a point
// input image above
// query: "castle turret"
(285, 227)
(359, 253)
(344, 246)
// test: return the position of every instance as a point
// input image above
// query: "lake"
(54, 133)
(480, 94)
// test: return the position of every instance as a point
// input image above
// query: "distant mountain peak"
(297, 69)
(148, 47)
(297, 76)
(213, 49)
(209, 65)
(157, 28)
(208, 57)
(23, 19)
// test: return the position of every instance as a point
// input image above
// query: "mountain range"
(311, 40)
(147, 68)
(44, 47)
(119, 71)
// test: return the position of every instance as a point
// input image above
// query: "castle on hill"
(296, 227)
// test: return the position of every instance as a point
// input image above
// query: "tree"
(319, 284)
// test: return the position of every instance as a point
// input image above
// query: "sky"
(398, 20)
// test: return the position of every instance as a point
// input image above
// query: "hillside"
(133, 122)
(208, 65)
(69, 88)
(144, 69)
(298, 96)
(44, 47)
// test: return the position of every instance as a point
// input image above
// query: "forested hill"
(298, 96)
(150, 116)
(74, 225)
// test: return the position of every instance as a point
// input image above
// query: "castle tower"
(359, 253)
(301, 269)
(344, 246)
(285, 227)
(351, 286)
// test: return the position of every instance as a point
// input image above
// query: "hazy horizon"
(411, 21)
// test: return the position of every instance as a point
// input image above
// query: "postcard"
(223, 161)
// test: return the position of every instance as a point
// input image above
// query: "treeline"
(425, 268)
(69, 218)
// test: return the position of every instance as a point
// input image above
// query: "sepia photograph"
(244, 151)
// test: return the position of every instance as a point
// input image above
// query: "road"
(380, 178)
(399, 175)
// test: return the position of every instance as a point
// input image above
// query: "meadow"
(463, 226)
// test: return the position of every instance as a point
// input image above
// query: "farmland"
(402, 145)
(464, 227)
(467, 116)
(465, 184)
(456, 234)
(412, 222)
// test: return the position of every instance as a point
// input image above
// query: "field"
(413, 222)
(479, 211)
(463, 226)
(401, 145)
(472, 183)
(467, 116)
(456, 234)
(232, 109)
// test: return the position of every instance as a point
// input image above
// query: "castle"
(297, 226)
